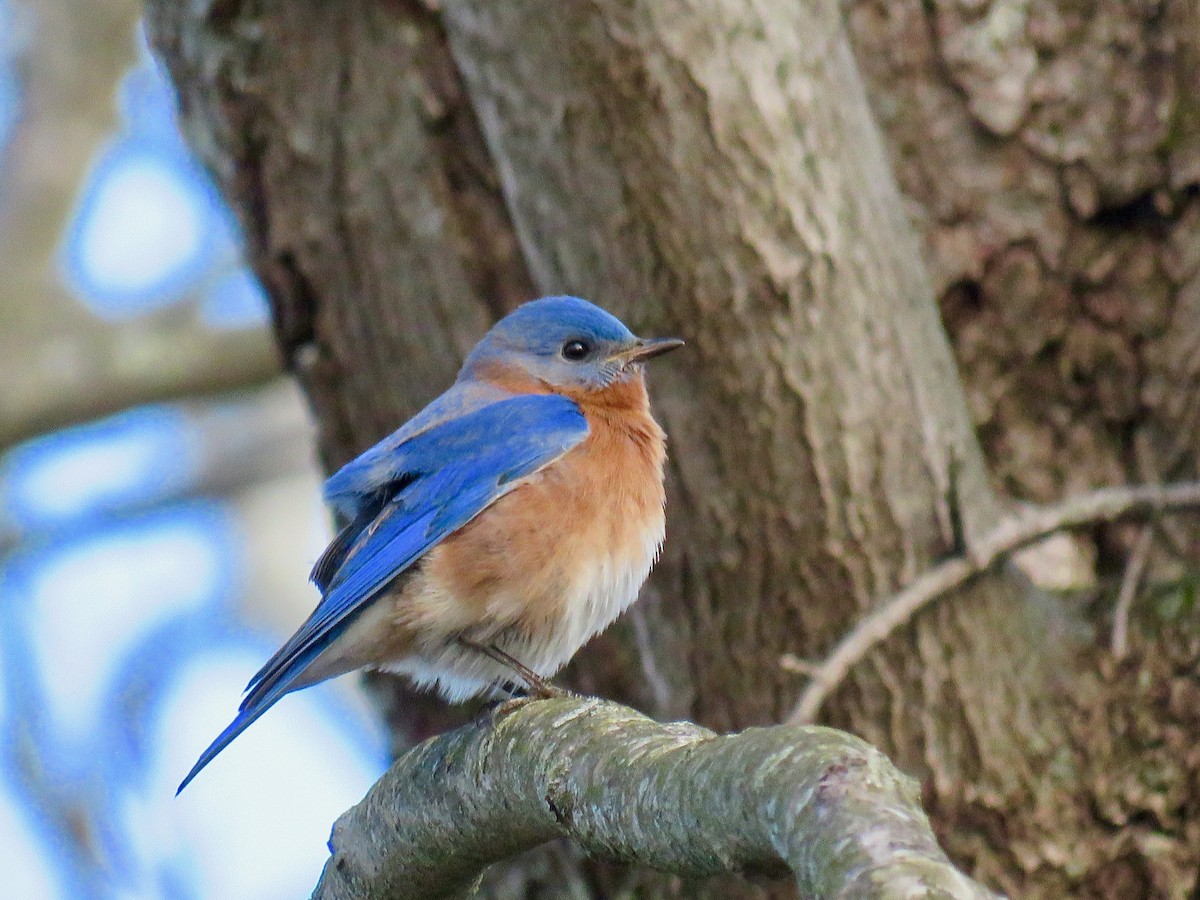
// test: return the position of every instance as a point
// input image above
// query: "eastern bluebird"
(500, 528)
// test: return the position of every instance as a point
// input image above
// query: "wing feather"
(449, 472)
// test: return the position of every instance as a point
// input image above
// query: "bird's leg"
(538, 687)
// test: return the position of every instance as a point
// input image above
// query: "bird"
(499, 529)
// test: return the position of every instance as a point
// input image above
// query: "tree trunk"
(709, 170)
(1054, 151)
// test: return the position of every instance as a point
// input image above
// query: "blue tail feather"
(243, 721)
(257, 702)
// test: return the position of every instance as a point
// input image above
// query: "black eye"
(576, 350)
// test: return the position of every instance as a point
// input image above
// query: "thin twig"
(1130, 582)
(1020, 530)
(790, 662)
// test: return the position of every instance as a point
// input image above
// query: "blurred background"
(159, 502)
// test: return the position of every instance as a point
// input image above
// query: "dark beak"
(647, 348)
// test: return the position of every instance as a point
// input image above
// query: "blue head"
(565, 342)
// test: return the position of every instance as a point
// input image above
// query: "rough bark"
(820, 419)
(676, 797)
(710, 170)
(1052, 151)
(1093, 509)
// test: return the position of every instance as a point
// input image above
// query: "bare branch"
(1130, 582)
(675, 797)
(1020, 530)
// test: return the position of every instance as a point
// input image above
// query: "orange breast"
(521, 560)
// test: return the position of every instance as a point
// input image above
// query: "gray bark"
(675, 797)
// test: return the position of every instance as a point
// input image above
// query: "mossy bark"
(818, 802)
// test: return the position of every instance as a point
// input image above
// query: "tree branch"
(1131, 582)
(675, 797)
(1020, 530)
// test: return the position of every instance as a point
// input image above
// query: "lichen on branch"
(818, 802)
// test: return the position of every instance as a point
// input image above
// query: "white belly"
(602, 591)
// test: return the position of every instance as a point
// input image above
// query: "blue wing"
(449, 473)
(357, 482)
(361, 488)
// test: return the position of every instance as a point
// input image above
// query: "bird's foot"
(519, 696)
(511, 705)
(544, 690)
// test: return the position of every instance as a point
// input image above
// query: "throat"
(625, 399)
